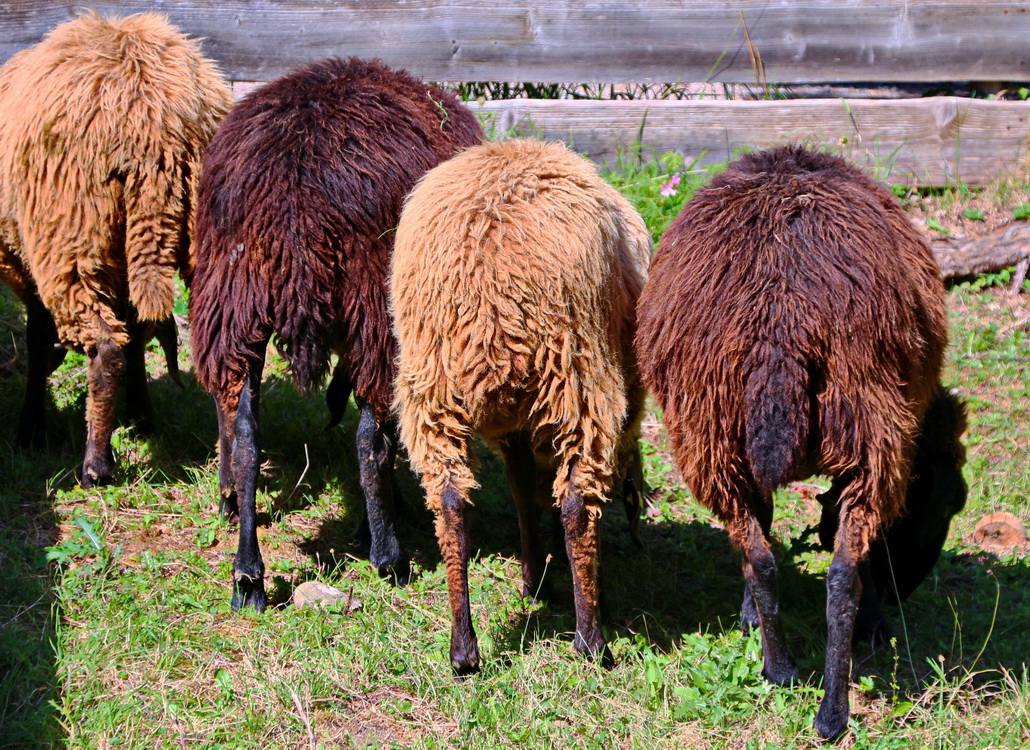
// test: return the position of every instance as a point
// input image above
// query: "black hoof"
(97, 468)
(461, 671)
(96, 478)
(391, 562)
(465, 655)
(831, 723)
(398, 573)
(249, 592)
(597, 651)
(783, 675)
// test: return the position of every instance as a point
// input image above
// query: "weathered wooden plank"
(577, 41)
(932, 141)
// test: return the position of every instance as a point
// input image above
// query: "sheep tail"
(155, 239)
(778, 415)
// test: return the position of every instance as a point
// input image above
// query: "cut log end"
(1000, 533)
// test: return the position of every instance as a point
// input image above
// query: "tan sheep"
(102, 125)
(515, 278)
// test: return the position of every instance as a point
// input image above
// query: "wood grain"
(934, 141)
(1006, 246)
(578, 41)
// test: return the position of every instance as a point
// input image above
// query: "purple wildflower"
(670, 188)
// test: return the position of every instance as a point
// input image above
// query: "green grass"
(125, 637)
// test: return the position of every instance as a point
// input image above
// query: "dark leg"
(41, 337)
(582, 534)
(520, 468)
(376, 449)
(167, 336)
(228, 505)
(137, 394)
(843, 590)
(760, 576)
(452, 530)
(249, 569)
(633, 495)
(748, 610)
(545, 495)
(105, 368)
(337, 393)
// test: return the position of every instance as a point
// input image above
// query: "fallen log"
(1008, 245)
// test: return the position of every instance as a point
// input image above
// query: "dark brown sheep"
(794, 324)
(301, 189)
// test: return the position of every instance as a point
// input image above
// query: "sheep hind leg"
(843, 592)
(582, 540)
(248, 567)
(452, 529)
(41, 339)
(870, 623)
(377, 447)
(228, 501)
(748, 610)
(760, 576)
(337, 394)
(105, 369)
(520, 468)
(139, 410)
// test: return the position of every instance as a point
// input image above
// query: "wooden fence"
(927, 141)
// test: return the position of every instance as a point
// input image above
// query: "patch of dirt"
(387, 716)
(948, 213)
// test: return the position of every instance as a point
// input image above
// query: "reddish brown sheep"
(101, 129)
(514, 286)
(794, 323)
(301, 190)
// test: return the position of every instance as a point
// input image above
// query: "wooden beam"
(580, 41)
(930, 142)
(1006, 246)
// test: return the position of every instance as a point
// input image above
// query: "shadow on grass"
(28, 606)
(687, 579)
(182, 449)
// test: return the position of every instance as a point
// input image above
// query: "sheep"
(301, 190)
(794, 323)
(514, 281)
(102, 125)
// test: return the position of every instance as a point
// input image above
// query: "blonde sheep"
(515, 278)
(102, 125)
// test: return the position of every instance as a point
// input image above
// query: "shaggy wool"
(301, 192)
(102, 125)
(514, 283)
(794, 323)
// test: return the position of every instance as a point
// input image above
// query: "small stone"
(315, 594)
(999, 533)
